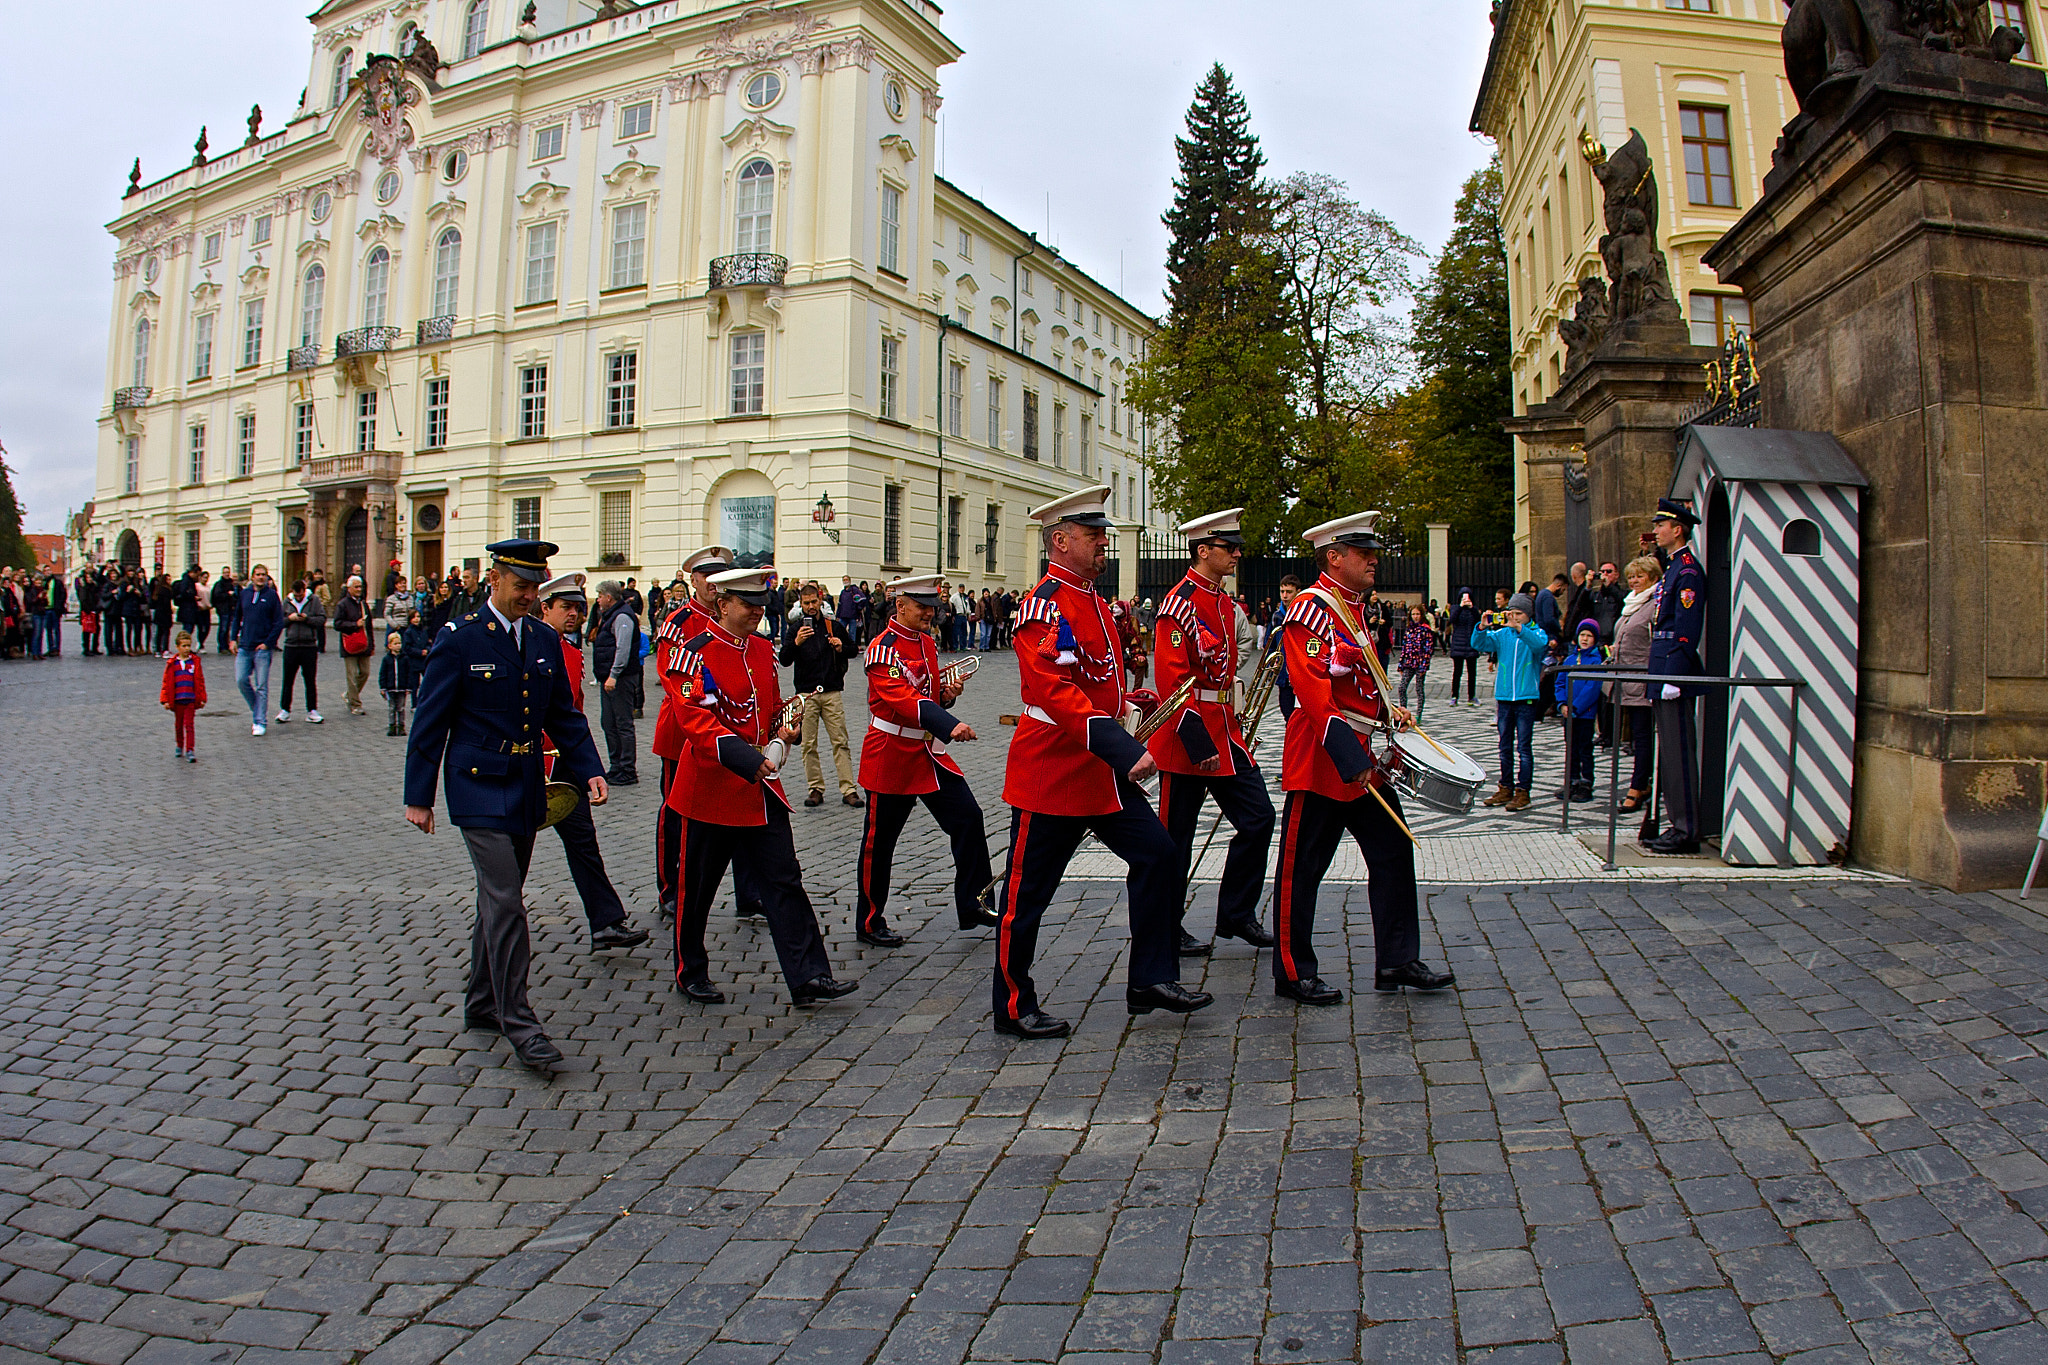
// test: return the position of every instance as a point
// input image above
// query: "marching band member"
(1204, 748)
(1074, 769)
(493, 680)
(690, 619)
(1333, 783)
(903, 761)
(562, 605)
(732, 802)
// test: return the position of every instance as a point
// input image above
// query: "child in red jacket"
(184, 692)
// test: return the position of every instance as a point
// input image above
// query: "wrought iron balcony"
(358, 467)
(302, 357)
(367, 341)
(134, 396)
(753, 269)
(436, 329)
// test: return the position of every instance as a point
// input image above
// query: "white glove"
(1670, 692)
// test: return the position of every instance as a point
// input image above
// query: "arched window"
(311, 300)
(756, 221)
(343, 62)
(141, 379)
(376, 283)
(408, 34)
(447, 273)
(476, 21)
(1801, 537)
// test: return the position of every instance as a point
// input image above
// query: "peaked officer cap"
(708, 560)
(1221, 526)
(1087, 507)
(527, 558)
(1671, 509)
(1355, 530)
(749, 585)
(922, 588)
(566, 587)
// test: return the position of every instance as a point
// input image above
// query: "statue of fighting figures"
(1830, 38)
(1639, 285)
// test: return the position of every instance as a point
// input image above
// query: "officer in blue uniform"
(1675, 652)
(494, 681)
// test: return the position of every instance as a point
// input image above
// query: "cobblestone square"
(1669, 1115)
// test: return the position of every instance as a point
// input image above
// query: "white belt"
(1202, 694)
(905, 732)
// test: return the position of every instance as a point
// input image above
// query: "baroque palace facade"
(678, 273)
(1704, 81)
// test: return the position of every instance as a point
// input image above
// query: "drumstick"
(1390, 811)
(1434, 745)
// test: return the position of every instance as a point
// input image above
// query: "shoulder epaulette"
(1184, 590)
(695, 644)
(1047, 590)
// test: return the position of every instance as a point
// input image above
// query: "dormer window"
(344, 61)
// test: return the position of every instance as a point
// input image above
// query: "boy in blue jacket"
(1517, 684)
(1578, 701)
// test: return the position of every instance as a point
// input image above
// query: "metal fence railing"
(1608, 673)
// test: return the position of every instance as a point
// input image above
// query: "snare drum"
(1448, 783)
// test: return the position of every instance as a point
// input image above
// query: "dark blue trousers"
(959, 815)
(1040, 848)
(1243, 801)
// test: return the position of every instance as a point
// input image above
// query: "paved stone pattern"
(239, 1121)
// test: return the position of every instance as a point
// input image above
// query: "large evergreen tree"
(1220, 162)
(1461, 464)
(15, 551)
(1217, 378)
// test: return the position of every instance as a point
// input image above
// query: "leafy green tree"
(15, 551)
(1460, 462)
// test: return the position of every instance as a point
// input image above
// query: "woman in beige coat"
(1632, 655)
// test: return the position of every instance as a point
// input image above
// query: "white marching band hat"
(1221, 526)
(921, 588)
(563, 585)
(749, 585)
(1354, 530)
(708, 560)
(1087, 507)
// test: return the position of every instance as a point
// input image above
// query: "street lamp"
(822, 516)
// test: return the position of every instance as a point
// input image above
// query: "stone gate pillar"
(1897, 273)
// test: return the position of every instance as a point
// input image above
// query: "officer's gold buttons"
(472, 772)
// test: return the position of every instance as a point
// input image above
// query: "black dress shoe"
(1166, 995)
(1034, 1026)
(980, 917)
(538, 1052)
(1416, 976)
(1190, 946)
(666, 912)
(619, 935)
(1668, 845)
(703, 992)
(1309, 990)
(1251, 931)
(487, 1022)
(884, 937)
(821, 989)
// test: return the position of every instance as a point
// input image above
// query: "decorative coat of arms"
(387, 94)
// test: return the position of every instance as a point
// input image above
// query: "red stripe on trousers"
(682, 892)
(1010, 907)
(867, 857)
(1165, 797)
(1283, 901)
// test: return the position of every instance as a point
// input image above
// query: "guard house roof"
(1762, 455)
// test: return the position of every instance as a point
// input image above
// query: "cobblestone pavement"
(239, 1120)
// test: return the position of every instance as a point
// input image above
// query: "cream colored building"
(677, 274)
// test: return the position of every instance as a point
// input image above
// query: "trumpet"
(786, 717)
(1259, 694)
(959, 671)
(1166, 710)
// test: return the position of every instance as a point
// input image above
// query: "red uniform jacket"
(572, 667)
(678, 626)
(1071, 745)
(731, 697)
(904, 748)
(1325, 661)
(172, 669)
(1197, 633)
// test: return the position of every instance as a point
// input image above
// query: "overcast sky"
(1075, 99)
